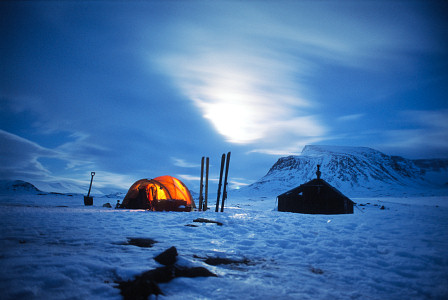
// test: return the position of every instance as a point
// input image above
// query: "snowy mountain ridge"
(355, 171)
(17, 186)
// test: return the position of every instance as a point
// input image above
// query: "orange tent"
(159, 194)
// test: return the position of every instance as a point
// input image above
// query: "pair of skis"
(224, 193)
(203, 200)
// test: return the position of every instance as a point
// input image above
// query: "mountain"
(356, 172)
(17, 186)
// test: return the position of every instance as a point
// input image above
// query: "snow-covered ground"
(53, 247)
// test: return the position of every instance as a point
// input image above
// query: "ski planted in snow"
(223, 158)
(206, 184)
(201, 185)
(224, 193)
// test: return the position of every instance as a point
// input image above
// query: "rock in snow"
(167, 257)
(147, 283)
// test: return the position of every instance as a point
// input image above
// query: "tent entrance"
(164, 193)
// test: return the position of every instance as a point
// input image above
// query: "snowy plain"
(53, 247)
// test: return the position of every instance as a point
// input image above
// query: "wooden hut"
(315, 197)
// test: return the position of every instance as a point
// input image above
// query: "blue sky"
(142, 89)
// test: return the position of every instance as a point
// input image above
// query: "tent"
(164, 193)
(315, 197)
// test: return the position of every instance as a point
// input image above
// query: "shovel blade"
(88, 200)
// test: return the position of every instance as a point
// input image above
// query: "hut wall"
(315, 200)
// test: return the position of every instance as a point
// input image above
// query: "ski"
(206, 184)
(224, 193)
(201, 185)
(223, 157)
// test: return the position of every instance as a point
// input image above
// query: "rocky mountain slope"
(357, 172)
(17, 186)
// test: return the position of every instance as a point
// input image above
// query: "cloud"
(249, 97)
(188, 177)
(425, 134)
(242, 96)
(237, 183)
(183, 164)
(80, 152)
(352, 117)
(108, 180)
(19, 157)
(291, 148)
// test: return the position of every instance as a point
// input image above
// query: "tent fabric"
(315, 197)
(163, 193)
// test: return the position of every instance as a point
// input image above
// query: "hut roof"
(314, 183)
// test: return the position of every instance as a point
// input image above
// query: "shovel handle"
(91, 179)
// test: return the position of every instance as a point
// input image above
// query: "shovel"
(87, 199)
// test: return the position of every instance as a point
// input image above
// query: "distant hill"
(357, 172)
(62, 187)
(17, 186)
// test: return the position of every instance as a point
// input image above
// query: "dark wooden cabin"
(315, 197)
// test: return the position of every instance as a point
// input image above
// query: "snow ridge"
(17, 186)
(355, 171)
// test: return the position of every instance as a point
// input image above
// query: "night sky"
(140, 89)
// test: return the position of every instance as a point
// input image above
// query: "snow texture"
(53, 247)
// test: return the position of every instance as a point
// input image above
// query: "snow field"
(77, 252)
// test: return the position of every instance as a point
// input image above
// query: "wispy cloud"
(187, 177)
(183, 163)
(19, 157)
(244, 97)
(249, 97)
(80, 152)
(352, 117)
(425, 133)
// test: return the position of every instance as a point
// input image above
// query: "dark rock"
(214, 261)
(140, 288)
(202, 220)
(191, 225)
(382, 207)
(141, 242)
(107, 205)
(193, 272)
(316, 271)
(160, 275)
(167, 257)
(146, 284)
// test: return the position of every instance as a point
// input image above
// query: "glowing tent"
(164, 193)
